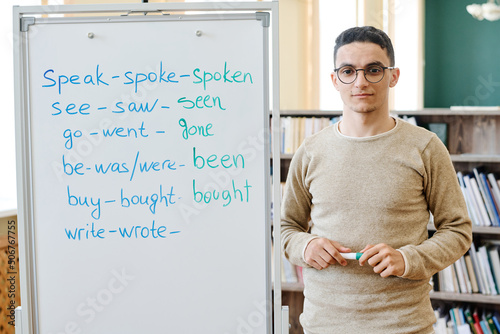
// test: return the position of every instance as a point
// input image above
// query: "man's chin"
(365, 110)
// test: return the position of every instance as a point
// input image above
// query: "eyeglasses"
(373, 73)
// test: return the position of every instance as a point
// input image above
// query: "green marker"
(351, 256)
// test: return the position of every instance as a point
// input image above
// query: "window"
(407, 39)
(334, 17)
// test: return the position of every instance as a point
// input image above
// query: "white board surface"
(150, 171)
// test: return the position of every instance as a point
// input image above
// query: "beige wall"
(370, 13)
(299, 85)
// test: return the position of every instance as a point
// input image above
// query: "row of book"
(295, 129)
(463, 320)
(482, 195)
(475, 272)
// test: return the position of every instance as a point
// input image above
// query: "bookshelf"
(473, 140)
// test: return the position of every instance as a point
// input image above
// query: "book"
(491, 324)
(440, 129)
(495, 264)
(474, 201)
(448, 280)
(477, 322)
(461, 278)
(484, 327)
(472, 274)
(468, 200)
(496, 321)
(295, 129)
(440, 325)
(480, 202)
(495, 188)
(468, 283)
(484, 263)
(477, 270)
(454, 318)
(485, 197)
(490, 199)
(470, 320)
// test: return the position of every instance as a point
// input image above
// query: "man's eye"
(374, 70)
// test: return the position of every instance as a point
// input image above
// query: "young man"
(367, 184)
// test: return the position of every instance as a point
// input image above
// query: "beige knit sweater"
(371, 190)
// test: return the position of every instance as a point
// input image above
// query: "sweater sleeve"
(445, 200)
(296, 209)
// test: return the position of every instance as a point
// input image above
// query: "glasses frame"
(364, 73)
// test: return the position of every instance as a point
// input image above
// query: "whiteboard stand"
(41, 147)
(19, 320)
(285, 325)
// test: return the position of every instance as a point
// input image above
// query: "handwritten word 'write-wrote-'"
(132, 232)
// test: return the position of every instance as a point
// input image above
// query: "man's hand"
(320, 253)
(384, 259)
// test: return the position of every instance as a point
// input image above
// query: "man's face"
(362, 96)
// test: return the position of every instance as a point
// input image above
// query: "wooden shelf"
(482, 158)
(476, 229)
(8, 213)
(292, 287)
(425, 111)
(449, 112)
(436, 295)
(465, 297)
(475, 158)
(311, 113)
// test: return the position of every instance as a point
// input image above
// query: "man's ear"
(394, 77)
(334, 80)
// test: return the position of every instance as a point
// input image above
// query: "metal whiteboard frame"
(27, 316)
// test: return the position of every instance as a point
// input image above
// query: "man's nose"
(360, 79)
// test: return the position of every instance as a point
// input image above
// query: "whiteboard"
(147, 141)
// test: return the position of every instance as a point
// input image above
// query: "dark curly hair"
(365, 34)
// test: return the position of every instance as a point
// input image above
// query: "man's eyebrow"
(379, 63)
(345, 64)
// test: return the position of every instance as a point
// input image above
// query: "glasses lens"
(347, 74)
(374, 73)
